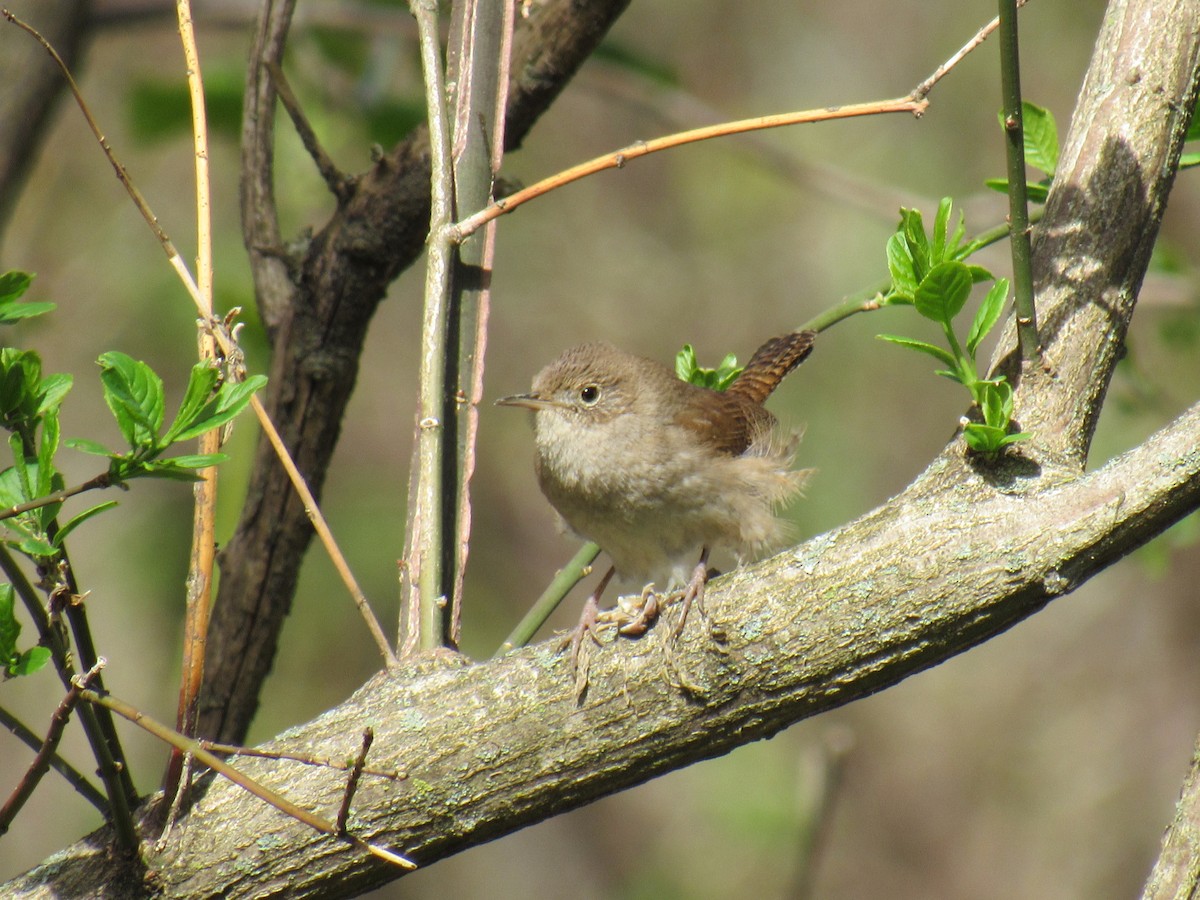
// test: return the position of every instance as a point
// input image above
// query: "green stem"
(1018, 199)
(567, 578)
(430, 534)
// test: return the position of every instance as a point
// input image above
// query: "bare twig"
(214, 762)
(477, 65)
(74, 777)
(618, 159)
(324, 762)
(47, 754)
(915, 102)
(335, 178)
(352, 781)
(204, 515)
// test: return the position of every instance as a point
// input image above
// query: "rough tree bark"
(970, 548)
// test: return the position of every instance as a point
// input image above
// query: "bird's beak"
(529, 401)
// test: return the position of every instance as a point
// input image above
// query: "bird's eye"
(589, 394)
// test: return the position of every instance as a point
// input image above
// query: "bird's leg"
(587, 620)
(693, 592)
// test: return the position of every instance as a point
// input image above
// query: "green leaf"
(29, 661)
(1189, 160)
(51, 392)
(913, 227)
(987, 315)
(685, 363)
(78, 520)
(47, 448)
(995, 402)
(942, 293)
(983, 438)
(83, 445)
(135, 395)
(10, 628)
(189, 461)
(231, 399)
(20, 379)
(13, 285)
(941, 223)
(37, 547)
(1041, 138)
(942, 356)
(686, 368)
(900, 266)
(178, 468)
(1037, 192)
(201, 384)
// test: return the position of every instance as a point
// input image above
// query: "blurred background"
(1045, 763)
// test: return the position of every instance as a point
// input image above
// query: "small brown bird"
(658, 471)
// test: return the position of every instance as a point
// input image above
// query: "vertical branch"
(425, 554)
(203, 552)
(480, 44)
(1018, 201)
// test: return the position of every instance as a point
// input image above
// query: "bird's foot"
(693, 593)
(634, 614)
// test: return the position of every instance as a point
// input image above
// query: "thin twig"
(568, 576)
(47, 754)
(214, 762)
(198, 601)
(73, 776)
(100, 482)
(916, 103)
(352, 780)
(324, 762)
(619, 158)
(1018, 193)
(477, 64)
(335, 178)
(923, 89)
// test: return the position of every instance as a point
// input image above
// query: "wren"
(658, 471)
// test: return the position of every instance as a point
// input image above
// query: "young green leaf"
(47, 448)
(988, 315)
(685, 363)
(942, 292)
(78, 520)
(83, 445)
(900, 266)
(178, 468)
(1041, 137)
(29, 661)
(201, 384)
(135, 395)
(942, 356)
(10, 628)
(941, 224)
(51, 392)
(913, 227)
(13, 285)
(231, 399)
